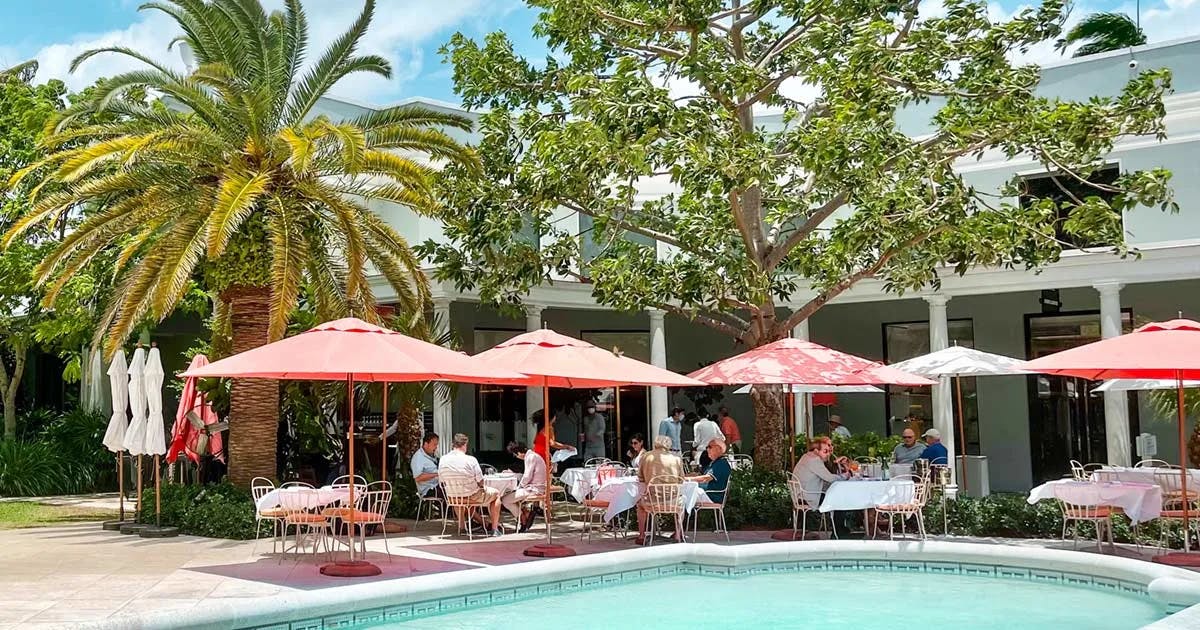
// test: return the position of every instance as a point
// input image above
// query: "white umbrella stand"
(156, 441)
(114, 436)
(135, 436)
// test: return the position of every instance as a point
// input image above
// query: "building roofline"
(1123, 52)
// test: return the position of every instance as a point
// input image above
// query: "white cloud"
(398, 32)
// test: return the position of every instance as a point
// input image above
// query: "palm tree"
(23, 71)
(233, 180)
(1102, 32)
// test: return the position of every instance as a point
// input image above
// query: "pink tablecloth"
(1140, 501)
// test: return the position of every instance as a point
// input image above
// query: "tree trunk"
(253, 403)
(408, 434)
(9, 387)
(770, 433)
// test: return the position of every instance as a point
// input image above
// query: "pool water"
(858, 600)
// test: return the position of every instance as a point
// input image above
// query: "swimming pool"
(859, 599)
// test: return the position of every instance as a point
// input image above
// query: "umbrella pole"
(138, 517)
(1184, 558)
(962, 432)
(617, 401)
(548, 549)
(157, 495)
(791, 415)
(383, 436)
(353, 568)
(121, 482)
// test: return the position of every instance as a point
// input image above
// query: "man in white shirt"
(812, 472)
(531, 486)
(837, 428)
(459, 466)
(704, 432)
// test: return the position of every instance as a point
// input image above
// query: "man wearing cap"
(836, 427)
(935, 452)
(594, 427)
(909, 449)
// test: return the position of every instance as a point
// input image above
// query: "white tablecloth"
(504, 482)
(852, 494)
(578, 481)
(1142, 475)
(323, 496)
(1141, 501)
(623, 493)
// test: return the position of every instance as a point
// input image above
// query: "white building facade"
(1028, 427)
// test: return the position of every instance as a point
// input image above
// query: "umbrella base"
(114, 526)
(787, 534)
(132, 529)
(152, 531)
(1179, 559)
(549, 551)
(350, 568)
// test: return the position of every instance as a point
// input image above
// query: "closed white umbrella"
(156, 441)
(93, 387)
(1138, 384)
(135, 436)
(957, 362)
(118, 379)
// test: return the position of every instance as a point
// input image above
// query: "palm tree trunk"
(770, 443)
(254, 403)
(408, 434)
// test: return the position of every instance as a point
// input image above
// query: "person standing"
(705, 431)
(544, 442)
(594, 427)
(837, 428)
(729, 427)
(670, 428)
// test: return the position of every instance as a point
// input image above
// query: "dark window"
(905, 340)
(1065, 189)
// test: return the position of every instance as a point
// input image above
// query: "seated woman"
(637, 448)
(660, 462)
(531, 486)
(715, 476)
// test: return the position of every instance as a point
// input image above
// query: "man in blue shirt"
(425, 465)
(670, 427)
(935, 452)
(715, 477)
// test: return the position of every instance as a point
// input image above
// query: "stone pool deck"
(61, 576)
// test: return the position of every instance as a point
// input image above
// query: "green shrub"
(76, 436)
(758, 499)
(866, 444)
(30, 469)
(404, 498)
(215, 511)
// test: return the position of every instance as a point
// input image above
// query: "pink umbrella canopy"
(351, 348)
(1158, 350)
(798, 362)
(557, 360)
(185, 437)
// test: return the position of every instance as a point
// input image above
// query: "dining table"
(320, 497)
(862, 494)
(623, 493)
(1141, 502)
(503, 482)
(1142, 474)
(578, 482)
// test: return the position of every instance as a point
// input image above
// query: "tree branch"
(813, 221)
(573, 204)
(711, 322)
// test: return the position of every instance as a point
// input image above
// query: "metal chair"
(488, 469)
(664, 497)
(461, 496)
(427, 502)
(915, 506)
(1083, 472)
(344, 480)
(594, 510)
(718, 510)
(259, 488)
(1075, 512)
(375, 503)
(595, 462)
(297, 506)
(1153, 463)
(296, 484)
(741, 461)
(1174, 500)
(803, 502)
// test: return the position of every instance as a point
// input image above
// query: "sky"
(408, 32)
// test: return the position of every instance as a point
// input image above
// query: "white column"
(658, 358)
(802, 402)
(1116, 404)
(943, 408)
(533, 395)
(443, 417)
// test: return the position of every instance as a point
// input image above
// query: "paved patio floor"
(58, 576)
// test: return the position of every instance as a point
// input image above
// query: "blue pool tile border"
(433, 607)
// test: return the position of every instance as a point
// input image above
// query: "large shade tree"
(233, 179)
(765, 224)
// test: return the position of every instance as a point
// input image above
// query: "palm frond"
(235, 202)
(329, 68)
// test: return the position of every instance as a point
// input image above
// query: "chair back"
(1171, 482)
(298, 500)
(376, 500)
(920, 492)
(1074, 507)
(458, 488)
(296, 484)
(1152, 463)
(595, 462)
(259, 487)
(802, 499)
(608, 470)
(741, 461)
(664, 495)
(488, 469)
(344, 480)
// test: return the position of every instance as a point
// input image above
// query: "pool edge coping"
(1173, 587)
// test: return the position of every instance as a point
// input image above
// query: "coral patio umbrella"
(353, 350)
(194, 414)
(556, 360)
(799, 362)
(1159, 350)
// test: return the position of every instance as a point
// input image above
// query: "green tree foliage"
(1102, 32)
(765, 224)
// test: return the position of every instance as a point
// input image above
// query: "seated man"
(660, 462)
(531, 486)
(424, 466)
(715, 477)
(935, 451)
(909, 449)
(457, 465)
(811, 472)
